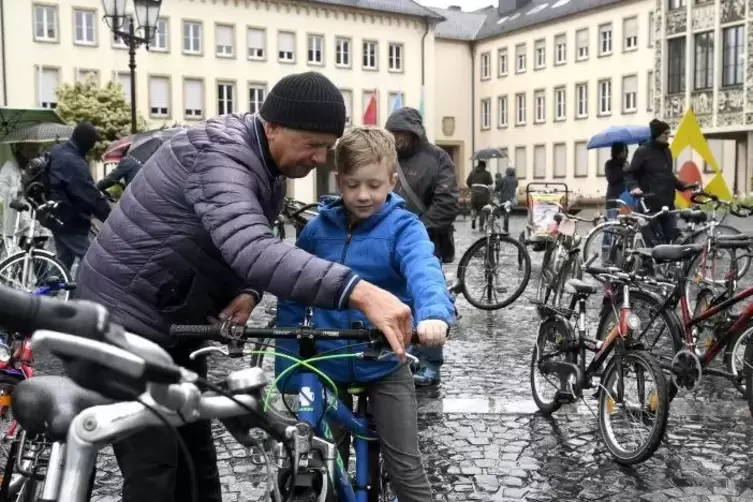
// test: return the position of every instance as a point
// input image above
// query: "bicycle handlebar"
(735, 208)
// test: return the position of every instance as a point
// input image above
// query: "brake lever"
(209, 350)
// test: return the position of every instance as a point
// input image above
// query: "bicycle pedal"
(565, 397)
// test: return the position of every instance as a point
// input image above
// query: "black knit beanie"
(306, 102)
(658, 128)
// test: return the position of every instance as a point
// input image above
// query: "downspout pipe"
(423, 53)
(473, 97)
(2, 54)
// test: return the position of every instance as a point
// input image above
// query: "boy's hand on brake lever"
(432, 332)
(387, 313)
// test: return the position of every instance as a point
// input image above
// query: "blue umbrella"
(630, 135)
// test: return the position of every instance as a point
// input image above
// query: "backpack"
(35, 180)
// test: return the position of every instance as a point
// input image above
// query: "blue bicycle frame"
(317, 406)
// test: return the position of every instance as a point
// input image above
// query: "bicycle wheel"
(734, 358)
(494, 254)
(721, 258)
(650, 406)
(599, 242)
(551, 342)
(42, 267)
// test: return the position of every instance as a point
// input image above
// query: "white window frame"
(581, 100)
(502, 112)
(88, 27)
(286, 56)
(45, 97)
(537, 174)
(395, 56)
(539, 107)
(520, 58)
(124, 79)
(604, 98)
(560, 49)
(560, 104)
(605, 39)
(629, 97)
(253, 52)
(195, 112)
(222, 50)
(253, 92)
(161, 40)
(193, 40)
(630, 34)
(486, 114)
(502, 62)
(582, 47)
(343, 52)
(49, 22)
(539, 50)
(226, 104)
(486, 65)
(159, 111)
(521, 113)
(370, 59)
(348, 99)
(315, 49)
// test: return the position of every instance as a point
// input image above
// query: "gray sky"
(467, 5)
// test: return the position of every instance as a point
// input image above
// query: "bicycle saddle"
(693, 216)
(19, 206)
(578, 287)
(675, 252)
(48, 405)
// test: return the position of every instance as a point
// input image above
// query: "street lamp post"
(147, 15)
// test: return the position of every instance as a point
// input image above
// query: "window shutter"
(581, 159)
(225, 36)
(582, 38)
(539, 161)
(49, 84)
(255, 38)
(193, 96)
(630, 28)
(560, 160)
(159, 92)
(286, 42)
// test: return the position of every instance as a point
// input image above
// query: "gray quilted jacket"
(192, 230)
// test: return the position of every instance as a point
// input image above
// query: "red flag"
(370, 115)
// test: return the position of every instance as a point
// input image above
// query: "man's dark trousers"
(152, 465)
(70, 246)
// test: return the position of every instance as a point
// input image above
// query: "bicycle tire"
(574, 263)
(696, 237)
(732, 347)
(662, 409)
(41, 255)
(522, 256)
(560, 328)
(748, 371)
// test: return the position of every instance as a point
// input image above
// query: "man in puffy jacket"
(427, 183)
(191, 238)
(72, 186)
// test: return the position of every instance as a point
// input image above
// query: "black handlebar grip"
(208, 331)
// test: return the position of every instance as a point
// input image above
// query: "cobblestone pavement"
(483, 440)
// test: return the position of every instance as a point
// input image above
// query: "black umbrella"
(143, 148)
(489, 153)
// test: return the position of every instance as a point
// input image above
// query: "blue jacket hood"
(334, 210)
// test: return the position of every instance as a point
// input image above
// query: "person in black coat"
(614, 169)
(123, 174)
(480, 196)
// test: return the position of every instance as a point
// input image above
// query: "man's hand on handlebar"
(387, 313)
(636, 192)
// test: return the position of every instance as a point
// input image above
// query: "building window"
(486, 65)
(580, 159)
(676, 4)
(191, 37)
(84, 75)
(193, 98)
(124, 79)
(348, 99)
(48, 82)
(84, 25)
(630, 34)
(502, 111)
(342, 52)
(159, 97)
(630, 94)
(256, 41)
(540, 50)
(45, 23)
(704, 61)
(581, 44)
(286, 47)
(225, 98)
(676, 65)
(520, 162)
(733, 61)
(539, 162)
(602, 156)
(224, 40)
(560, 49)
(118, 41)
(502, 63)
(581, 100)
(560, 103)
(315, 49)
(650, 92)
(370, 55)
(395, 100)
(486, 113)
(651, 29)
(366, 98)
(605, 39)
(159, 42)
(395, 57)
(520, 109)
(605, 97)
(520, 58)
(559, 158)
(539, 102)
(256, 94)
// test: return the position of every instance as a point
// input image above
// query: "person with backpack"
(70, 183)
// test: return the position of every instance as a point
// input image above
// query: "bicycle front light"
(633, 322)
(4, 353)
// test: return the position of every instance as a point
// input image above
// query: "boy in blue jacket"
(369, 230)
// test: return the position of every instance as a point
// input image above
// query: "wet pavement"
(483, 440)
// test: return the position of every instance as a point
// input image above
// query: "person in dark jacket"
(191, 238)
(123, 174)
(508, 188)
(614, 169)
(72, 186)
(432, 193)
(497, 184)
(652, 171)
(480, 183)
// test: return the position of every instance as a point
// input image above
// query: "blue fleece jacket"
(390, 249)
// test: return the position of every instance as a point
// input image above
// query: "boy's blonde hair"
(365, 145)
